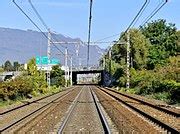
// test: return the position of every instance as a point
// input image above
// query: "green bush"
(58, 81)
(164, 96)
(162, 83)
(22, 87)
(19, 87)
(174, 88)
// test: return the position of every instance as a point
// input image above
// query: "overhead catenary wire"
(142, 9)
(45, 25)
(39, 16)
(63, 42)
(42, 21)
(30, 19)
(154, 12)
(141, 13)
(34, 24)
(138, 14)
(89, 31)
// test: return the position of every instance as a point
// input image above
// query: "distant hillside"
(21, 45)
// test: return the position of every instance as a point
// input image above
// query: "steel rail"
(60, 130)
(154, 120)
(147, 103)
(100, 113)
(29, 103)
(28, 115)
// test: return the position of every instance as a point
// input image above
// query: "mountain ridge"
(21, 45)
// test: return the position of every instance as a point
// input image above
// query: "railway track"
(13, 118)
(85, 115)
(27, 103)
(162, 107)
(78, 109)
(167, 120)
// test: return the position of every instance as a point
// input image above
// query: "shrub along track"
(4, 111)
(166, 119)
(15, 119)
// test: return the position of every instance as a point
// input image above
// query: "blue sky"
(70, 17)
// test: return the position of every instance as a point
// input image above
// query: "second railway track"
(163, 118)
(11, 119)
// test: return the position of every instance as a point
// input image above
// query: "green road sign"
(38, 60)
(44, 61)
(54, 61)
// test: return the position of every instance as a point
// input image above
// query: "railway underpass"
(88, 77)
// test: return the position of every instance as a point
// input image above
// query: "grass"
(4, 104)
(19, 100)
(162, 96)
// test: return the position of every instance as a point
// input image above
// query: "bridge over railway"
(101, 77)
(92, 72)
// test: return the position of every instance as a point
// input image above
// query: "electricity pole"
(80, 63)
(110, 60)
(128, 60)
(89, 32)
(71, 71)
(104, 62)
(66, 76)
(67, 73)
(48, 55)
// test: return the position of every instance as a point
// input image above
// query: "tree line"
(154, 62)
(32, 82)
(8, 66)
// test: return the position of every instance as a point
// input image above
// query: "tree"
(16, 66)
(119, 51)
(1, 69)
(37, 77)
(31, 67)
(163, 38)
(8, 66)
(56, 71)
(139, 49)
(57, 76)
(178, 42)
